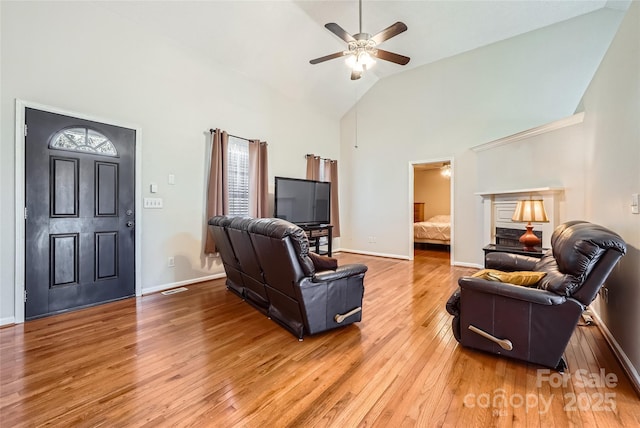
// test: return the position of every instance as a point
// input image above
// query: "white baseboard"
(7, 321)
(626, 364)
(12, 320)
(402, 257)
(371, 253)
(168, 286)
(469, 265)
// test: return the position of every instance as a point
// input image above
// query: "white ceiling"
(273, 41)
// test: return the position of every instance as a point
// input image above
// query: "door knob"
(128, 212)
(129, 224)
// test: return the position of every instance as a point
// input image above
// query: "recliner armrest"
(343, 271)
(510, 262)
(532, 295)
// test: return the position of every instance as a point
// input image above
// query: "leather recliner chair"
(254, 288)
(228, 256)
(535, 324)
(279, 278)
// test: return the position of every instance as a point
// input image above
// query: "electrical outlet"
(154, 203)
(171, 262)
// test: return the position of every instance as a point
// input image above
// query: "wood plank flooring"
(205, 358)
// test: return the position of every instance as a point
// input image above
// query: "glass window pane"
(238, 176)
(83, 140)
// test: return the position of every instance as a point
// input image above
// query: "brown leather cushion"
(525, 278)
(323, 262)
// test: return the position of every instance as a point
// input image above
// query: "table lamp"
(530, 210)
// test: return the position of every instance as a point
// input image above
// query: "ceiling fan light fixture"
(350, 60)
(366, 60)
(362, 47)
(360, 60)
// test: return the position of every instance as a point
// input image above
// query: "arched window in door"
(84, 140)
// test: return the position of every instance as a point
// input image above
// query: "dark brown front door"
(80, 201)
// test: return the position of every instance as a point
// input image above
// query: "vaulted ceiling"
(273, 41)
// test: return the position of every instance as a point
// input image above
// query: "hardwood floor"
(205, 358)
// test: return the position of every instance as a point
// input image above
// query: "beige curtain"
(313, 167)
(314, 163)
(217, 191)
(258, 179)
(335, 209)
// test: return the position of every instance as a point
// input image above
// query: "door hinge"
(25, 296)
(26, 213)
(25, 129)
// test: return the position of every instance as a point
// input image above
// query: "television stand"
(315, 232)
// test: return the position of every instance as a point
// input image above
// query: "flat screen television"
(303, 202)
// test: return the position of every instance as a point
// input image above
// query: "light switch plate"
(153, 188)
(635, 202)
(172, 179)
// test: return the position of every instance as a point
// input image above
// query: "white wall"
(442, 109)
(612, 174)
(597, 162)
(554, 159)
(80, 57)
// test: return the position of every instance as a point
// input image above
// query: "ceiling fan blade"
(327, 57)
(389, 32)
(355, 75)
(340, 32)
(393, 57)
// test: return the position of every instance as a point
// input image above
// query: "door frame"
(20, 182)
(412, 164)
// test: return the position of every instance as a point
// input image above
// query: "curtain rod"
(211, 130)
(325, 159)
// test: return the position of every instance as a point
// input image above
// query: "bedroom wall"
(433, 189)
(80, 57)
(442, 109)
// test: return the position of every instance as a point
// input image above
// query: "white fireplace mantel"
(498, 207)
(523, 193)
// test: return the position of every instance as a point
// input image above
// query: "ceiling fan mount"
(362, 47)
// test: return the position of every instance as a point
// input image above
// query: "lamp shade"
(530, 210)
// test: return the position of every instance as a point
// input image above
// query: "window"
(321, 171)
(238, 176)
(83, 140)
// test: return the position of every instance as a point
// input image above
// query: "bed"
(436, 230)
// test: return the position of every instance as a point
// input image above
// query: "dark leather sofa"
(535, 324)
(267, 263)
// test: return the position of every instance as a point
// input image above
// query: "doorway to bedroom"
(431, 192)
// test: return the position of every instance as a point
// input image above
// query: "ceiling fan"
(362, 47)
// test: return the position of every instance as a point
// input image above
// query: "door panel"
(63, 258)
(106, 260)
(64, 187)
(106, 182)
(80, 248)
